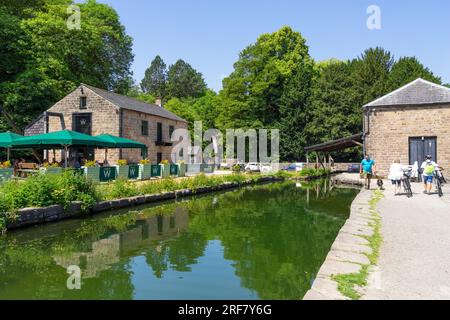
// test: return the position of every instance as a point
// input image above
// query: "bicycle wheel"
(439, 187)
(409, 191)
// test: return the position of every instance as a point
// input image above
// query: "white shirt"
(424, 164)
(395, 172)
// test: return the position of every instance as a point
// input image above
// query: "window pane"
(159, 132)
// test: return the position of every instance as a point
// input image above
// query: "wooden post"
(8, 151)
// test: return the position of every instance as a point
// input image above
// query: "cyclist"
(428, 168)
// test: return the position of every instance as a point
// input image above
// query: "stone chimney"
(158, 101)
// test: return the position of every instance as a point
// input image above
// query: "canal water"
(260, 242)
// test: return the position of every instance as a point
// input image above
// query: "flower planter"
(92, 173)
(51, 170)
(155, 170)
(207, 168)
(6, 174)
(107, 174)
(165, 170)
(181, 170)
(145, 171)
(173, 170)
(133, 171)
(193, 168)
(122, 172)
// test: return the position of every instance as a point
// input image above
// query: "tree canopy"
(155, 79)
(44, 59)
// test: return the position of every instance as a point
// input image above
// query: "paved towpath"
(414, 260)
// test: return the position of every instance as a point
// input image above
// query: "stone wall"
(132, 121)
(390, 129)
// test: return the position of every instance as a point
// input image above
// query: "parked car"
(252, 167)
(291, 167)
(353, 168)
(295, 167)
(266, 168)
(299, 166)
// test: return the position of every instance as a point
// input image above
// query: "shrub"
(144, 161)
(44, 190)
(121, 189)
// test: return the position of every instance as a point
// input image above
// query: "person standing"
(367, 169)
(396, 175)
(428, 168)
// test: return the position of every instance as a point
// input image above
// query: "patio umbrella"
(7, 139)
(120, 142)
(57, 139)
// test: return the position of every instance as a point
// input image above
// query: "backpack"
(429, 169)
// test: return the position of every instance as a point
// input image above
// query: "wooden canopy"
(339, 144)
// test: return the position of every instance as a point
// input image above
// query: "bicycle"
(439, 181)
(406, 181)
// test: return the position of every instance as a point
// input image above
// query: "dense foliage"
(42, 60)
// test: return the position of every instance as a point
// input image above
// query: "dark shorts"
(427, 179)
(396, 182)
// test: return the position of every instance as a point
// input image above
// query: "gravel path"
(414, 261)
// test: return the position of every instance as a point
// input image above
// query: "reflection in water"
(259, 242)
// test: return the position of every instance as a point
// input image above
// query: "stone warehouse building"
(95, 111)
(406, 124)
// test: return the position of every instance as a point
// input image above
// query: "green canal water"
(260, 242)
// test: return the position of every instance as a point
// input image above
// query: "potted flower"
(165, 168)
(122, 169)
(6, 171)
(92, 171)
(145, 169)
(181, 168)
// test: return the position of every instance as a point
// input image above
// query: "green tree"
(54, 59)
(371, 75)
(408, 69)
(155, 79)
(270, 87)
(183, 81)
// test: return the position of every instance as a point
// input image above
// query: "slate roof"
(134, 105)
(418, 92)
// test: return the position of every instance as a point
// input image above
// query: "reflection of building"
(108, 251)
(155, 228)
(104, 253)
(95, 111)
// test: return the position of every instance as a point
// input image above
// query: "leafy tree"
(447, 85)
(155, 78)
(270, 87)
(183, 81)
(408, 69)
(371, 74)
(53, 59)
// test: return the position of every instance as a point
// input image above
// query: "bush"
(44, 190)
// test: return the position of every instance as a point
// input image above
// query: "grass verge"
(347, 283)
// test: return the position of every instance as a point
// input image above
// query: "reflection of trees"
(276, 244)
(276, 239)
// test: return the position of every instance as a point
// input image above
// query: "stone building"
(95, 111)
(409, 124)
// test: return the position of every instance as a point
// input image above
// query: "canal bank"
(27, 217)
(354, 251)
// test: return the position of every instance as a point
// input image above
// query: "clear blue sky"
(209, 34)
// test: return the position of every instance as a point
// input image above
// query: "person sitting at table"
(105, 163)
